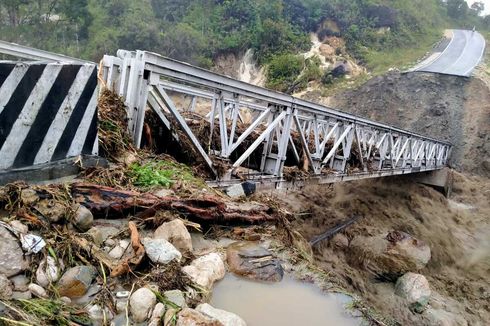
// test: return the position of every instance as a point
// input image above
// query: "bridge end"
(441, 180)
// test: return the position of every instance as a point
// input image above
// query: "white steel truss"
(328, 137)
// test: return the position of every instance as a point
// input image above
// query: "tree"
(457, 9)
(478, 7)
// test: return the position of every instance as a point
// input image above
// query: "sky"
(487, 5)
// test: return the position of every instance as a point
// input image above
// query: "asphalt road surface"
(462, 54)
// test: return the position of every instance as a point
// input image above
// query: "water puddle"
(289, 302)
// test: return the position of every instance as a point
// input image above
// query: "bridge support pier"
(441, 180)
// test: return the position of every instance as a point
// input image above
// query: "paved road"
(460, 57)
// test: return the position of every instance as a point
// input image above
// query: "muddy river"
(286, 303)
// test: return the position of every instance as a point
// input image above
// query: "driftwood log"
(111, 202)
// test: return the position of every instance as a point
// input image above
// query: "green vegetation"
(160, 173)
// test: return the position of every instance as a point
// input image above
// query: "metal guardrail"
(328, 136)
(26, 52)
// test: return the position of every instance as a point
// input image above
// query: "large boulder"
(415, 288)
(176, 233)
(225, 317)
(160, 251)
(191, 317)
(12, 260)
(390, 255)
(250, 260)
(76, 281)
(141, 304)
(205, 270)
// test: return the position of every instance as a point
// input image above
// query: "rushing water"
(287, 303)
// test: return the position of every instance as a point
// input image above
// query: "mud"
(459, 269)
(450, 108)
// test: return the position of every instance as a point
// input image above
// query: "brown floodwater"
(287, 303)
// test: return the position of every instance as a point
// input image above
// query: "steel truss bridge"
(268, 121)
(328, 137)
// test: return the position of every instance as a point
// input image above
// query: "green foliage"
(283, 71)
(160, 173)
(198, 31)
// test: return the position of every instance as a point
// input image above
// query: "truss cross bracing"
(278, 128)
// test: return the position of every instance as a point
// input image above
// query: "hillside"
(377, 33)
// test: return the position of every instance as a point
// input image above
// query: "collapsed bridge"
(254, 133)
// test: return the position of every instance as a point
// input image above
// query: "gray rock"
(5, 287)
(157, 315)
(65, 300)
(175, 296)
(37, 291)
(120, 249)
(141, 304)
(225, 317)
(20, 282)
(121, 320)
(121, 305)
(205, 270)
(21, 295)
(19, 227)
(75, 281)
(235, 191)
(12, 260)
(250, 260)
(49, 271)
(160, 251)
(176, 233)
(98, 315)
(83, 218)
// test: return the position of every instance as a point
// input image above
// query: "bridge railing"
(262, 129)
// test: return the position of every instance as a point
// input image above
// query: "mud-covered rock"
(141, 304)
(29, 196)
(12, 260)
(413, 287)
(191, 317)
(225, 317)
(205, 270)
(176, 233)
(160, 251)
(390, 255)
(53, 210)
(76, 281)
(250, 260)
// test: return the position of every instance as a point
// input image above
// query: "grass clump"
(160, 173)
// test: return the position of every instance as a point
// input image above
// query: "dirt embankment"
(456, 230)
(451, 108)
